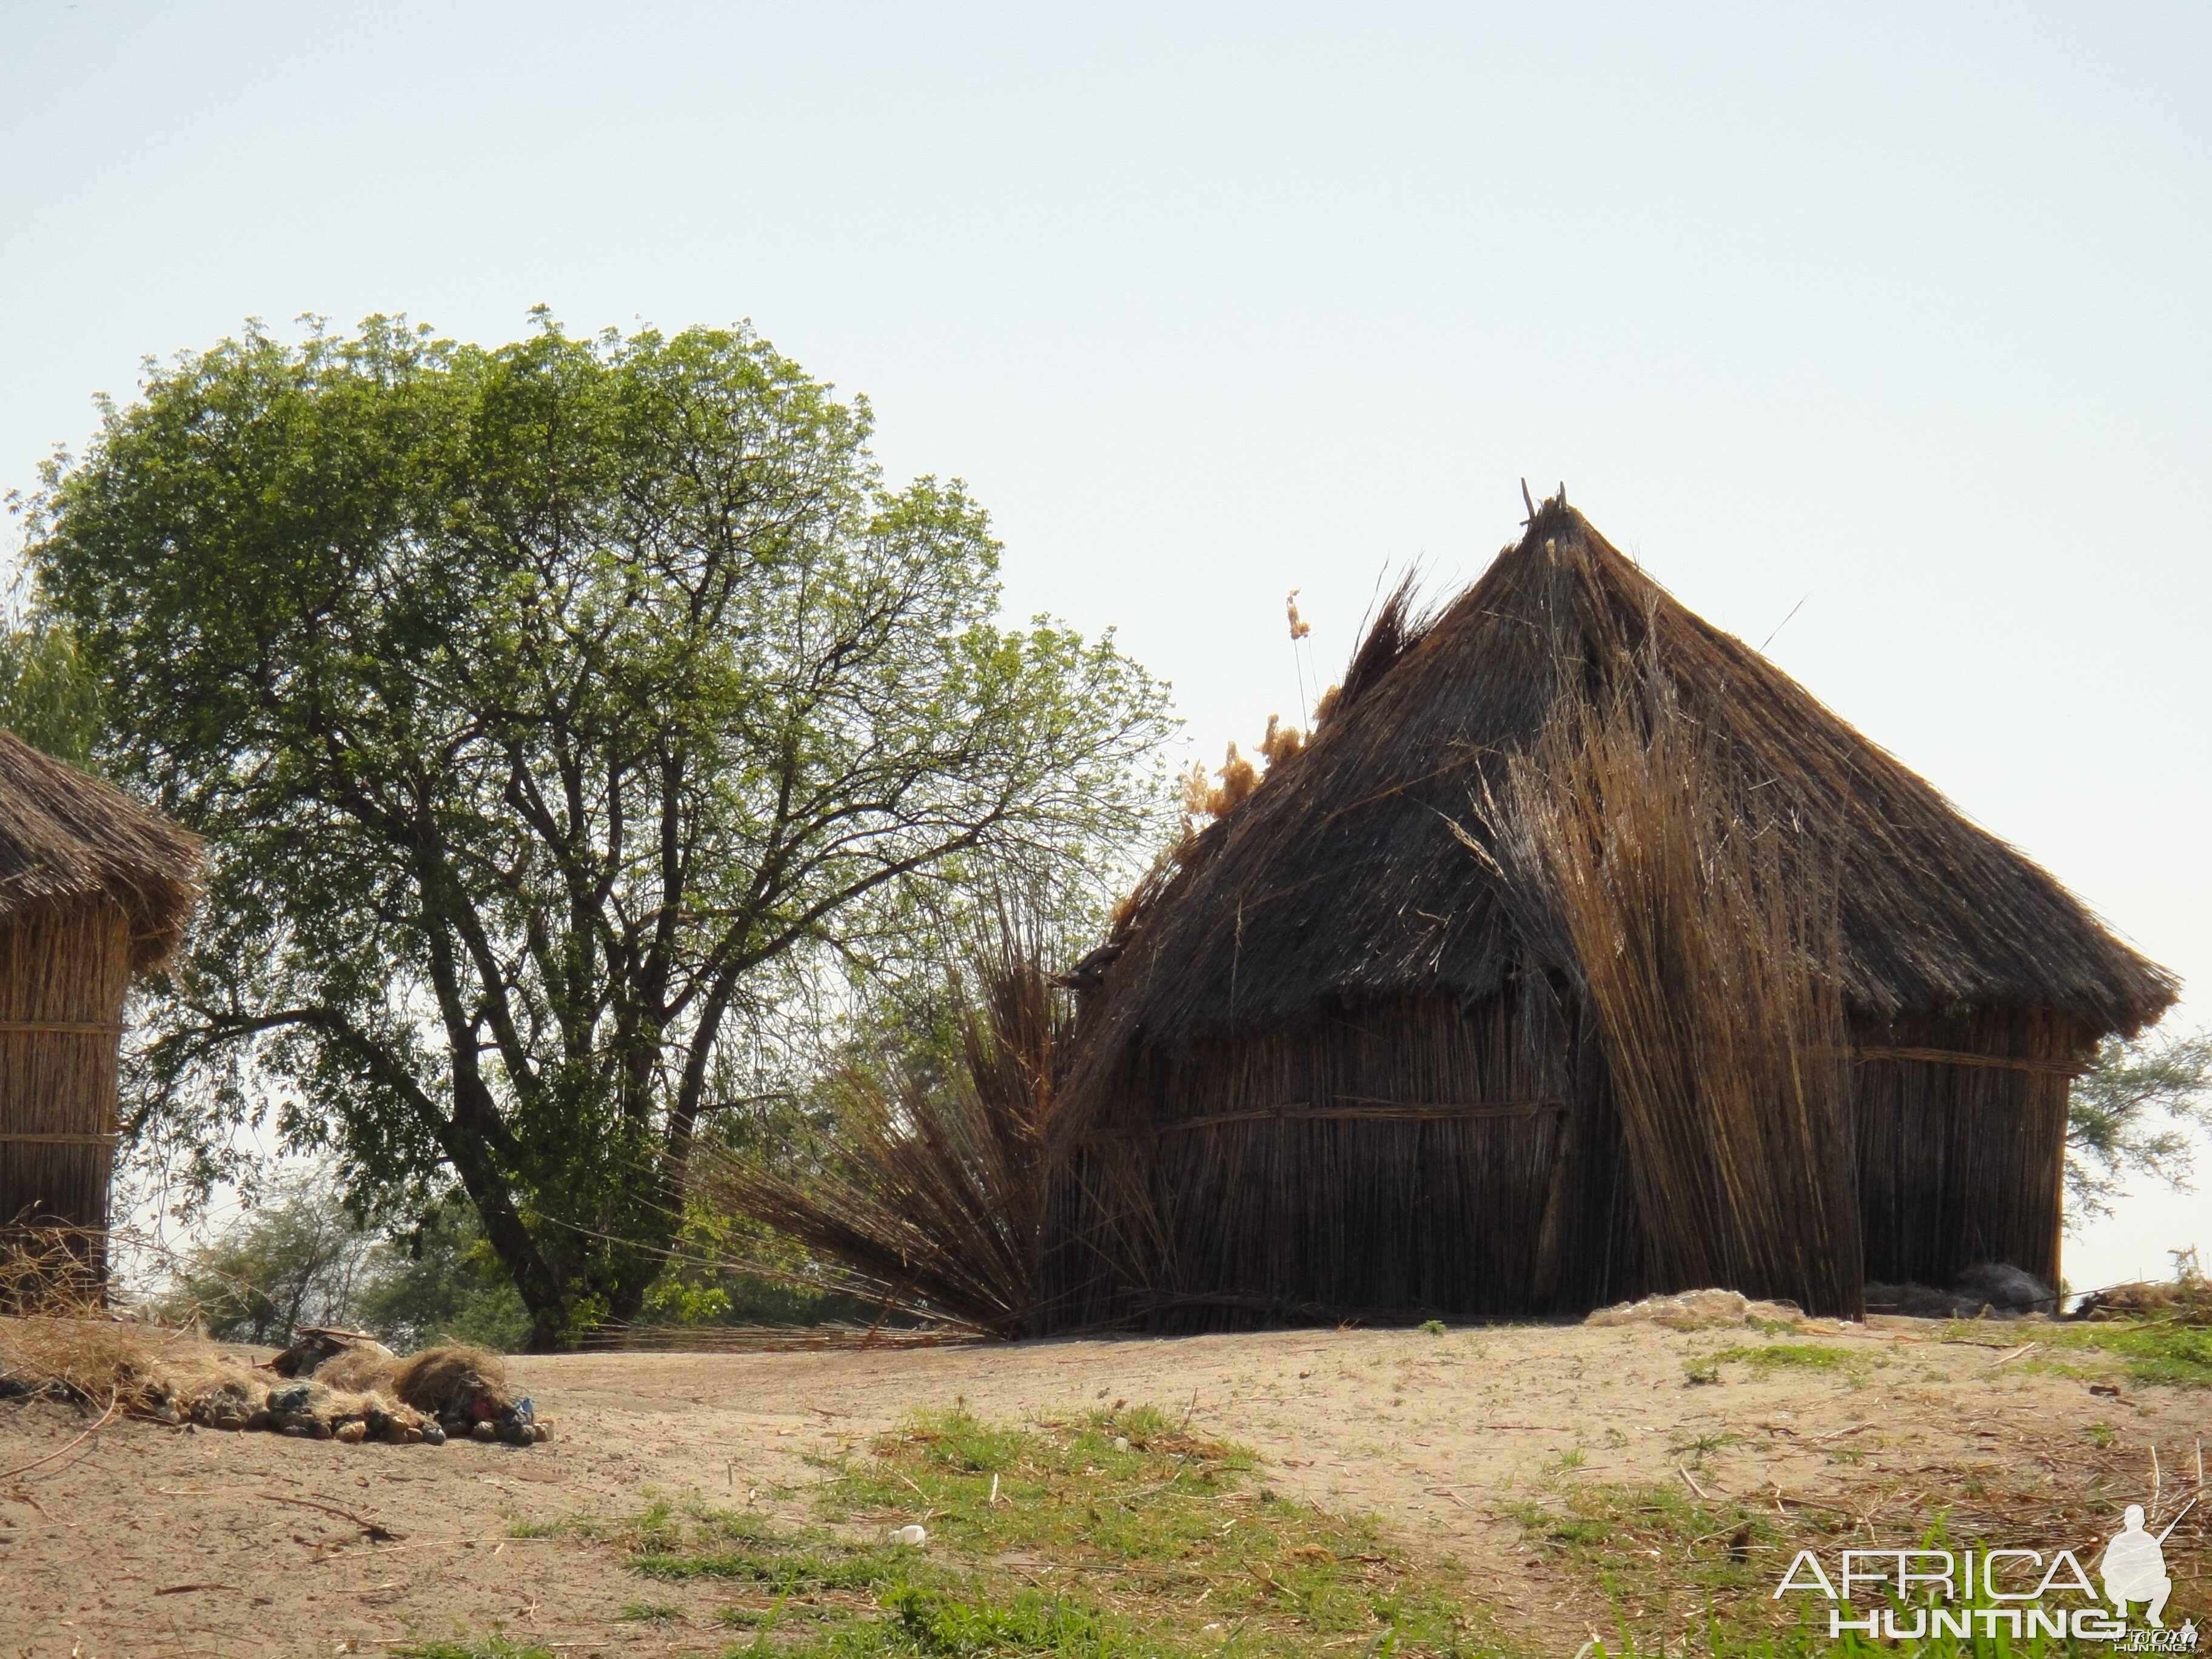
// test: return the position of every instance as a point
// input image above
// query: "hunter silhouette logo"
(2134, 1567)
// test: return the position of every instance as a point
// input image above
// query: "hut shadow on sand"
(94, 890)
(1581, 955)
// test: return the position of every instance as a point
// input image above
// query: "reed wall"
(1962, 1164)
(1417, 1160)
(1407, 1161)
(64, 967)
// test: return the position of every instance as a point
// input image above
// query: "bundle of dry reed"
(2184, 1299)
(932, 1197)
(1708, 945)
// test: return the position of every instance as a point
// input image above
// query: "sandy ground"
(142, 1542)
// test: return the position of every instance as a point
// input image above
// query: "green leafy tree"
(298, 1257)
(440, 1283)
(2135, 1112)
(559, 715)
(295, 1259)
(48, 696)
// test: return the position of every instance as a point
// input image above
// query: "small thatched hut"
(94, 891)
(1371, 1051)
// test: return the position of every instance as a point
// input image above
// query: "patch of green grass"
(1688, 1573)
(1798, 1356)
(535, 1529)
(1765, 1358)
(649, 1613)
(2160, 1350)
(1108, 1534)
(491, 1647)
(782, 1571)
(2163, 1348)
(931, 1622)
(1431, 1328)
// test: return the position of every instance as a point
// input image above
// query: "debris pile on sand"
(329, 1385)
(2176, 1301)
(1992, 1290)
(462, 1390)
(1698, 1311)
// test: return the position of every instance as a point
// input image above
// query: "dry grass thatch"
(2184, 1299)
(137, 1368)
(65, 834)
(933, 1198)
(57, 1340)
(1341, 878)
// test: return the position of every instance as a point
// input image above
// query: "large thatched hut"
(1580, 954)
(94, 891)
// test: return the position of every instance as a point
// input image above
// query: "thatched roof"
(64, 836)
(1344, 877)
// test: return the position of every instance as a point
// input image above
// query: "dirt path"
(142, 1542)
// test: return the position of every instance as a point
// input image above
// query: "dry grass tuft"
(933, 1200)
(52, 1270)
(146, 1369)
(61, 1339)
(1202, 798)
(1281, 742)
(1239, 778)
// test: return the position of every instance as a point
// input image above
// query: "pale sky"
(1899, 310)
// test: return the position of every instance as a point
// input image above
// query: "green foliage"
(569, 719)
(699, 1287)
(49, 696)
(297, 1257)
(1431, 1327)
(2132, 1114)
(294, 1259)
(441, 1283)
(2163, 1350)
(491, 1647)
